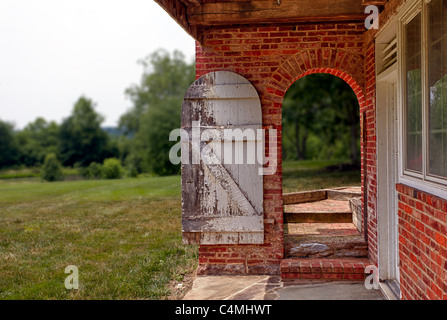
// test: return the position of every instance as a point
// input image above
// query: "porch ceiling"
(193, 15)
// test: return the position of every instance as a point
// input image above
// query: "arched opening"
(321, 168)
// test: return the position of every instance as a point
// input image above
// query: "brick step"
(323, 211)
(324, 269)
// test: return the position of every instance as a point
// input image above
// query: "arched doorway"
(321, 169)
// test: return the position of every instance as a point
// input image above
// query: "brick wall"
(422, 244)
(272, 58)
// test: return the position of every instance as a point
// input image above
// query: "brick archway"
(340, 63)
(272, 58)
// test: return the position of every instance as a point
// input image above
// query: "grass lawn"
(123, 235)
(309, 175)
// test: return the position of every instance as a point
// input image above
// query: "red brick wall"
(422, 244)
(272, 58)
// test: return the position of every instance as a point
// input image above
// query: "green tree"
(38, 139)
(156, 111)
(81, 139)
(322, 110)
(164, 77)
(52, 170)
(111, 169)
(94, 171)
(9, 147)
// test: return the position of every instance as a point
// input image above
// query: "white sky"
(53, 51)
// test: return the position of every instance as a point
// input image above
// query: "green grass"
(310, 175)
(123, 235)
(35, 172)
(19, 173)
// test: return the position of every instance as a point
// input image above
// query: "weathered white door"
(222, 188)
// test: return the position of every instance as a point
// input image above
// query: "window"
(424, 91)
(437, 83)
(413, 73)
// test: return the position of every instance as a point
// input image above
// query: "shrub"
(52, 169)
(82, 171)
(111, 169)
(132, 164)
(94, 171)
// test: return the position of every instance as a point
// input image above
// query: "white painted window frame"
(422, 181)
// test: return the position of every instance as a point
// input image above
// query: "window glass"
(437, 82)
(413, 94)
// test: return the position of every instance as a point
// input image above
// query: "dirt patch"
(178, 289)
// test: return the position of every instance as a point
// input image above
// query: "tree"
(111, 169)
(164, 76)
(38, 139)
(324, 108)
(52, 170)
(156, 110)
(81, 139)
(152, 140)
(9, 147)
(303, 111)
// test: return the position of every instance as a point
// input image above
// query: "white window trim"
(424, 182)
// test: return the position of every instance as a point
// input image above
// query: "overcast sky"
(54, 51)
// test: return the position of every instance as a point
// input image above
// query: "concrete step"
(324, 269)
(327, 210)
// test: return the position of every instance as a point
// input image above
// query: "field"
(312, 175)
(124, 236)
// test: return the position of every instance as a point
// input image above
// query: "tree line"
(140, 142)
(320, 121)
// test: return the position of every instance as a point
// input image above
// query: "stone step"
(334, 247)
(327, 210)
(323, 240)
(342, 193)
(324, 269)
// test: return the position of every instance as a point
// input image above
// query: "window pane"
(437, 81)
(413, 94)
